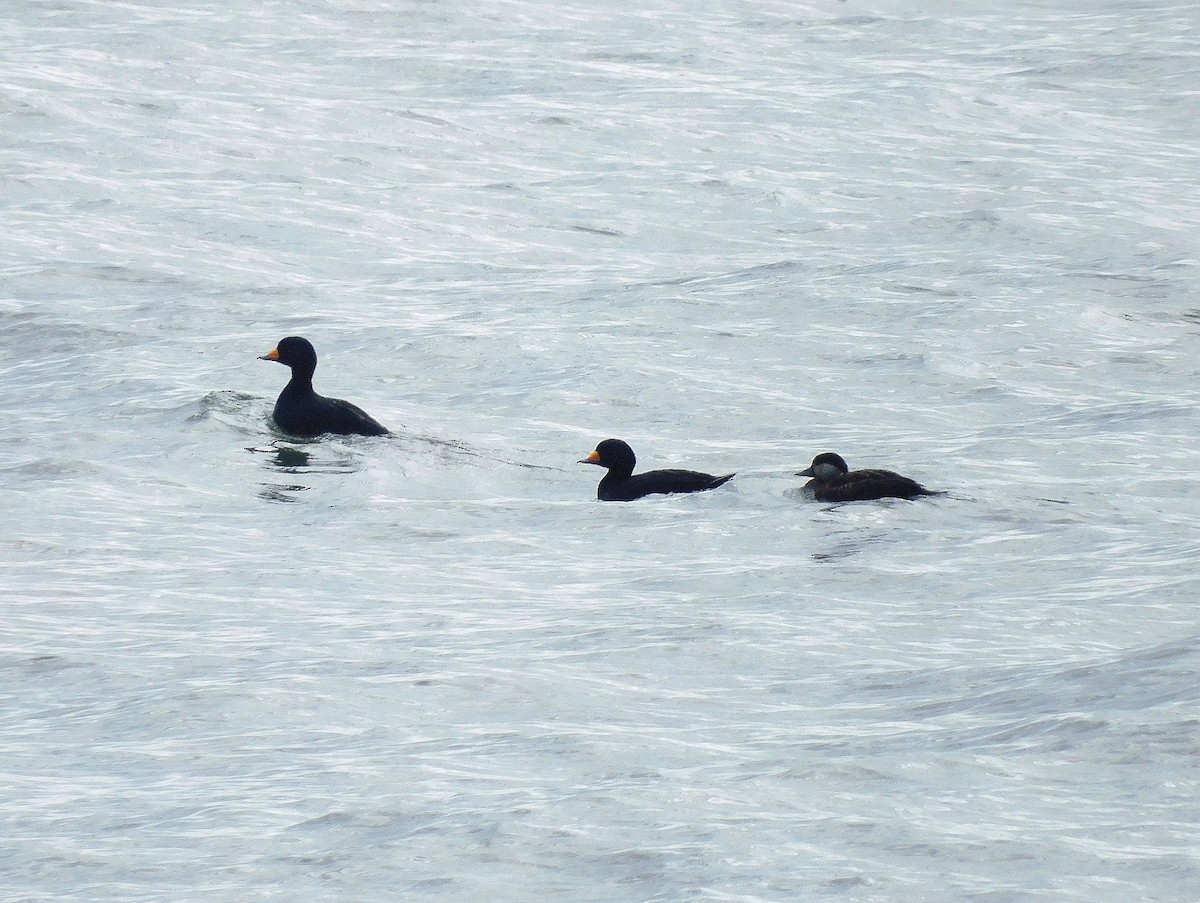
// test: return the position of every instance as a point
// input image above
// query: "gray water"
(960, 242)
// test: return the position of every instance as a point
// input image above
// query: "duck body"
(299, 410)
(620, 484)
(302, 412)
(833, 481)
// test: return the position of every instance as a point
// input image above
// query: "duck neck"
(301, 382)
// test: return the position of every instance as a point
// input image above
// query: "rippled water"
(959, 242)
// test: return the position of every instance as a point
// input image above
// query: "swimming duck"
(301, 411)
(620, 485)
(833, 481)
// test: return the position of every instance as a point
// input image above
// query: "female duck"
(833, 481)
(303, 412)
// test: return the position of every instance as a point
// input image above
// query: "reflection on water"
(288, 459)
(280, 492)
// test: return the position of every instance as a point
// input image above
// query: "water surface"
(959, 242)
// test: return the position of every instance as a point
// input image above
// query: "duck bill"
(807, 472)
(593, 458)
(272, 355)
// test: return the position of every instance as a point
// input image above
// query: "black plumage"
(833, 481)
(301, 411)
(621, 485)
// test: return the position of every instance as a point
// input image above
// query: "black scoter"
(833, 481)
(303, 412)
(620, 485)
